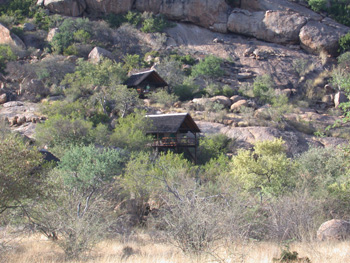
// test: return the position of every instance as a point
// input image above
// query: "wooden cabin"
(145, 82)
(177, 132)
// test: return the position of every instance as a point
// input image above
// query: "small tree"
(19, 174)
(130, 132)
(75, 211)
(266, 170)
(209, 67)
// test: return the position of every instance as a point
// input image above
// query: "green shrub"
(42, 20)
(82, 36)
(114, 20)
(211, 147)
(6, 55)
(208, 67)
(131, 62)
(20, 9)
(152, 23)
(71, 50)
(164, 98)
(133, 18)
(318, 5)
(344, 43)
(263, 88)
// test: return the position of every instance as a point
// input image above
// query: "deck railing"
(173, 142)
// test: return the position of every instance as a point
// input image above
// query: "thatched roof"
(151, 76)
(172, 123)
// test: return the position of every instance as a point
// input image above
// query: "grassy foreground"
(37, 249)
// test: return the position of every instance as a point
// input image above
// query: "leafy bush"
(211, 147)
(164, 98)
(59, 130)
(18, 169)
(69, 30)
(344, 43)
(152, 23)
(6, 55)
(42, 20)
(265, 171)
(208, 67)
(131, 62)
(130, 132)
(318, 5)
(263, 88)
(20, 9)
(114, 20)
(133, 18)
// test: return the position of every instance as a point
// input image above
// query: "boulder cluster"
(276, 21)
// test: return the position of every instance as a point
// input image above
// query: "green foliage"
(130, 132)
(208, 67)
(289, 257)
(88, 76)
(163, 97)
(263, 88)
(320, 167)
(20, 9)
(19, 164)
(266, 170)
(6, 55)
(318, 5)
(152, 23)
(133, 18)
(184, 59)
(344, 43)
(114, 20)
(60, 130)
(186, 90)
(131, 62)
(70, 30)
(211, 147)
(42, 20)
(341, 78)
(87, 167)
(82, 36)
(71, 50)
(340, 11)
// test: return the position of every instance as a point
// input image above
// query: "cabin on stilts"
(175, 132)
(145, 82)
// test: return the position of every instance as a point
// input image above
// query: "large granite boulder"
(209, 14)
(65, 7)
(335, 229)
(98, 53)
(7, 38)
(272, 26)
(109, 6)
(316, 37)
(281, 5)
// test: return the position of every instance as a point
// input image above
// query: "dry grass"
(36, 249)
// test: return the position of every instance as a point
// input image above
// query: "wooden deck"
(174, 142)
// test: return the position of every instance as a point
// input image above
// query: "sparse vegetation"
(111, 198)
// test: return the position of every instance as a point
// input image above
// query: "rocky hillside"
(285, 40)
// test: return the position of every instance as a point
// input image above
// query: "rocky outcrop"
(335, 229)
(316, 37)
(65, 7)
(98, 53)
(32, 89)
(272, 26)
(7, 38)
(276, 21)
(209, 14)
(109, 6)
